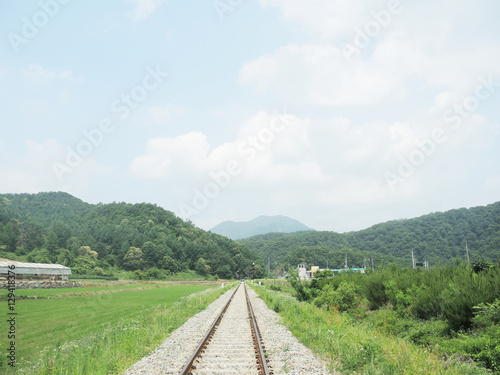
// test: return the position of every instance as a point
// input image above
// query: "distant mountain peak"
(260, 225)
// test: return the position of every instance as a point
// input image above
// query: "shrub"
(374, 292)
(154, 273)
(344, 298)
(487, 314)
(275, 287)
(484, 349)
(426, 302)
(303, 290)
(467, 291)
(99, 271)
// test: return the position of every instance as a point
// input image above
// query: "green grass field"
(99, 329)
(87, 290)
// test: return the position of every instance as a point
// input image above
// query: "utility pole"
(412, 259)
(373, 268)
(346, 262)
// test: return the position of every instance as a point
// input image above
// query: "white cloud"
(327, 18)
(164, 114)
(321, 75)
(38, 74)
(144, 8)
(308, 162)
(166, 157)
(330, 165)
(322, 72)
(160, 115)
(34, 171)
(156, 115)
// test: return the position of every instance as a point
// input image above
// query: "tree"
(224, 272)
(65, 257)
(74, 245)
(10, 237)
(201, 267)
(153, 254)
(84, 265)
(98, 271)
(39, 256)
(86, 251)
(169, 264)
(31, 235)
(51, 242)
(133, 259)
(62, 232)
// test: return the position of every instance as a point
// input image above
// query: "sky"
(338, 113)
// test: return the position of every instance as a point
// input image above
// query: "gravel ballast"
(286, 355)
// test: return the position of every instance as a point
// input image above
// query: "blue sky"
(341, 114)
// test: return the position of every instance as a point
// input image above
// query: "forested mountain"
(259, 225)
(436, 237)
(103, 238)
(59, 228)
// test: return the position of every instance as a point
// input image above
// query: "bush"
(426, 302)
(155, 273)
(275, 287)
(484, 349)
(151, 274)
(303, 290)
(99, 271)
(374, 292)
(344, 298)
(487, 314)
(465, 292)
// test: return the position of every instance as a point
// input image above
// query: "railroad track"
(232, 344)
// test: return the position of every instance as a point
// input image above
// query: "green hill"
(259, 225)
(105, 238)
(436, 237)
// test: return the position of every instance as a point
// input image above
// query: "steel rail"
(188, 367)
(260, 355)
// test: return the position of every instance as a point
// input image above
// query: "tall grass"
(353, 347)
(449, 292)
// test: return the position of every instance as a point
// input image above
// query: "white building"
(303, 273)
(34, 270)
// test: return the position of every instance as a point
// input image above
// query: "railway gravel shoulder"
(285, 353)
(174, 352)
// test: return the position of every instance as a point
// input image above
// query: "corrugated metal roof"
(34, 268)
(33, 265)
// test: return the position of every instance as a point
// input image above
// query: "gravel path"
(286, 355)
